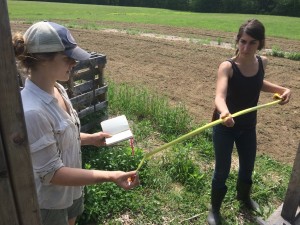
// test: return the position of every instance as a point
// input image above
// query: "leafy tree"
(251, 7)
(231, 6)
(177, 4)
(153, 3)
(287, 8)
(266, 6)
(206, 5)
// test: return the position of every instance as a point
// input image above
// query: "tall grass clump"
(145, 105)
(182, 167)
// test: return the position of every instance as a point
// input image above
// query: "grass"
(175, 183)
(88, 16)
(149, 107)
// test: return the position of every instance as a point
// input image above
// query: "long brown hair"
(253, 28)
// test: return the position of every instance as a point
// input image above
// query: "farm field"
(185, 72)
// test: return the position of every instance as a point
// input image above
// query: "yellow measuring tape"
(200, 129)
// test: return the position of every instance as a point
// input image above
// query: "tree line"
(267, 7)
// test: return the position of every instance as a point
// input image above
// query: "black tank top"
(242, 93)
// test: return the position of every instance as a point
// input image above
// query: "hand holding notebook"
(118, 127)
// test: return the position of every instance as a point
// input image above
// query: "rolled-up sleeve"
(43, 146)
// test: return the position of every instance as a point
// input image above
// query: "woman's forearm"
(221, 105)
(66, 176)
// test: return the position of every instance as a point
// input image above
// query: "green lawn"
(277, 26)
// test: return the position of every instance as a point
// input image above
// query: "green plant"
(107, 199)
(293, 55)
(277, 52)
(289, 55)
(180, 165)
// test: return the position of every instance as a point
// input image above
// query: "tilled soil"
(185, 72)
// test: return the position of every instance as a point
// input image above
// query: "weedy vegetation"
(175, 183)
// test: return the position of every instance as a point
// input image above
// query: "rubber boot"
(214, 216)
(243, 195)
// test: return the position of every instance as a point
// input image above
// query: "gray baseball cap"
(44, 36)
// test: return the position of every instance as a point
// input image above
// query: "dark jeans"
(223, 140)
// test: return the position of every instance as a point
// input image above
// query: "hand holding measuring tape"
(277, 98)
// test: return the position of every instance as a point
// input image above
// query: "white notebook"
(118, 127)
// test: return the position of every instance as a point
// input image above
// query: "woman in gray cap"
(49, 52)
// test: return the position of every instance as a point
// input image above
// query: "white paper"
(118, 127)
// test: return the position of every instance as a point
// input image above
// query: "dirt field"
(186, 72)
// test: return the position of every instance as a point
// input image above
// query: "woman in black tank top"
(239, 82)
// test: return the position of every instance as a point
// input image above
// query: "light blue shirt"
(54, 140)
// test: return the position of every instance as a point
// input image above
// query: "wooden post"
(8, 213)
(21, 206)
(292, 196)
(101, 83)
